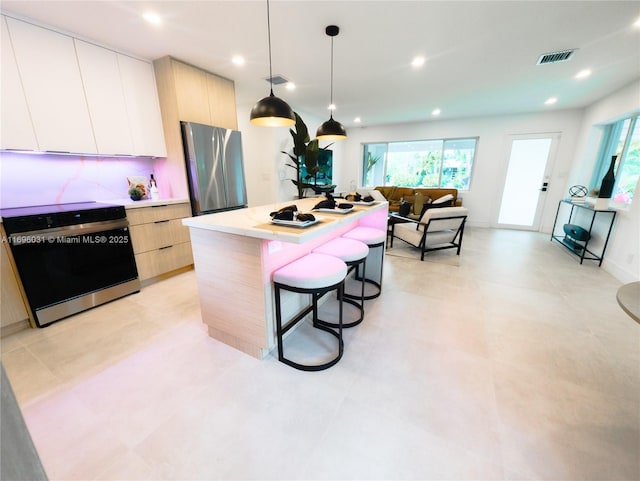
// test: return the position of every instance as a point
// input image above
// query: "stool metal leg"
(351, 299)
(280, 330)
(363, 277)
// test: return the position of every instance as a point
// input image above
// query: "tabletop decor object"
(606, 187)
(135, 193)
(578, 194)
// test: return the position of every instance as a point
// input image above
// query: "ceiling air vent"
(277, 80)
(555, 57)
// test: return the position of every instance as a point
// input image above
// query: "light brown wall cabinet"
(161, 243)
(200, 96)
(13, 313)
(62, 94)
(190, 94)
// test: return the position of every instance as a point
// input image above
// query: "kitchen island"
(235, 254)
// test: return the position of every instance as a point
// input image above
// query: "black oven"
(71, 257)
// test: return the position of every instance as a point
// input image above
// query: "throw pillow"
(444, 198)
(434, 205)
(405, 208)
(377, 195)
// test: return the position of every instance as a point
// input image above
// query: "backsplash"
(37, 179)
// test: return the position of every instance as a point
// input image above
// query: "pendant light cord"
(269, 34)
(331, 89)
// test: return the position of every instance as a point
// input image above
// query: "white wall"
(483, 198)
(268, 179)
(622, 258)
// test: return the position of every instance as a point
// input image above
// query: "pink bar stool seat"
(353, 253)
(314, 274)
(375, 239)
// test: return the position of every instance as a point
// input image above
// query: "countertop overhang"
(134, 204)
(256, 221)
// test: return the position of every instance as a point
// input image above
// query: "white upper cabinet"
(16, 127)
(143, 109)
(61, 94)
(105, 97)
(53, 88)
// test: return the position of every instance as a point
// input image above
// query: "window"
(420, 163)
(622, 139)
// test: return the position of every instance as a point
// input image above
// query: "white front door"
(530, 165)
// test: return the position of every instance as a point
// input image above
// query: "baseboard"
(619, 272)
(166, 275)
(13, 328)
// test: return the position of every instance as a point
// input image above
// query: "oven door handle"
(49, 235)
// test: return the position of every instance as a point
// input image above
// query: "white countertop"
(133, 204)
(256, 221)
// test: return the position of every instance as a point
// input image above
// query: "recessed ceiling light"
(290, 86)
(551, 101)
(357, 120)
(436, 112)
(418, 62)
(152, 18)
(238, 60)
(332, 107)
(583, 74)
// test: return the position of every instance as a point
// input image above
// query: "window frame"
(443, 141)
(609, 147)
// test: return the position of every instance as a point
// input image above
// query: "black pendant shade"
(272, 111)
(331, 129)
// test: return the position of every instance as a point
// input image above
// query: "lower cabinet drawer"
(156, 262)
(146, 237)
(145, 215)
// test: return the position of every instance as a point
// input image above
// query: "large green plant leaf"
(311, 157)
(300, 136)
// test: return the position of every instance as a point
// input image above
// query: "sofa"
(418, 197)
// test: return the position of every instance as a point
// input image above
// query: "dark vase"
(606, 188)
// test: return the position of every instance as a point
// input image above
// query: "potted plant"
(305, 153)
(135, 192)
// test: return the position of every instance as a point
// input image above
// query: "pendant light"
(331, 129)
(272, 111)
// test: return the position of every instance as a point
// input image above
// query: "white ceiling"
(481, 55)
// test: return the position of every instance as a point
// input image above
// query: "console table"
(581, 248)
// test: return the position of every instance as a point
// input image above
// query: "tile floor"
(510, 362)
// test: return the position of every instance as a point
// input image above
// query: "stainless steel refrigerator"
(215, 168)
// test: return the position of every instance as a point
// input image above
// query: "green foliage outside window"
(426, 163)
(622, 139)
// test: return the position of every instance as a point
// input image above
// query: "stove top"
(52, 208)
(39, 217)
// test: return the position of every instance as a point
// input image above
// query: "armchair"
(437, 229)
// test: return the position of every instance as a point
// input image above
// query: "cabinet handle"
(161, 221)
(161, 205)
(165, 247)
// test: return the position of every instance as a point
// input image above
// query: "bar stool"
(374, 238)
(314, 274)
(353, 253)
